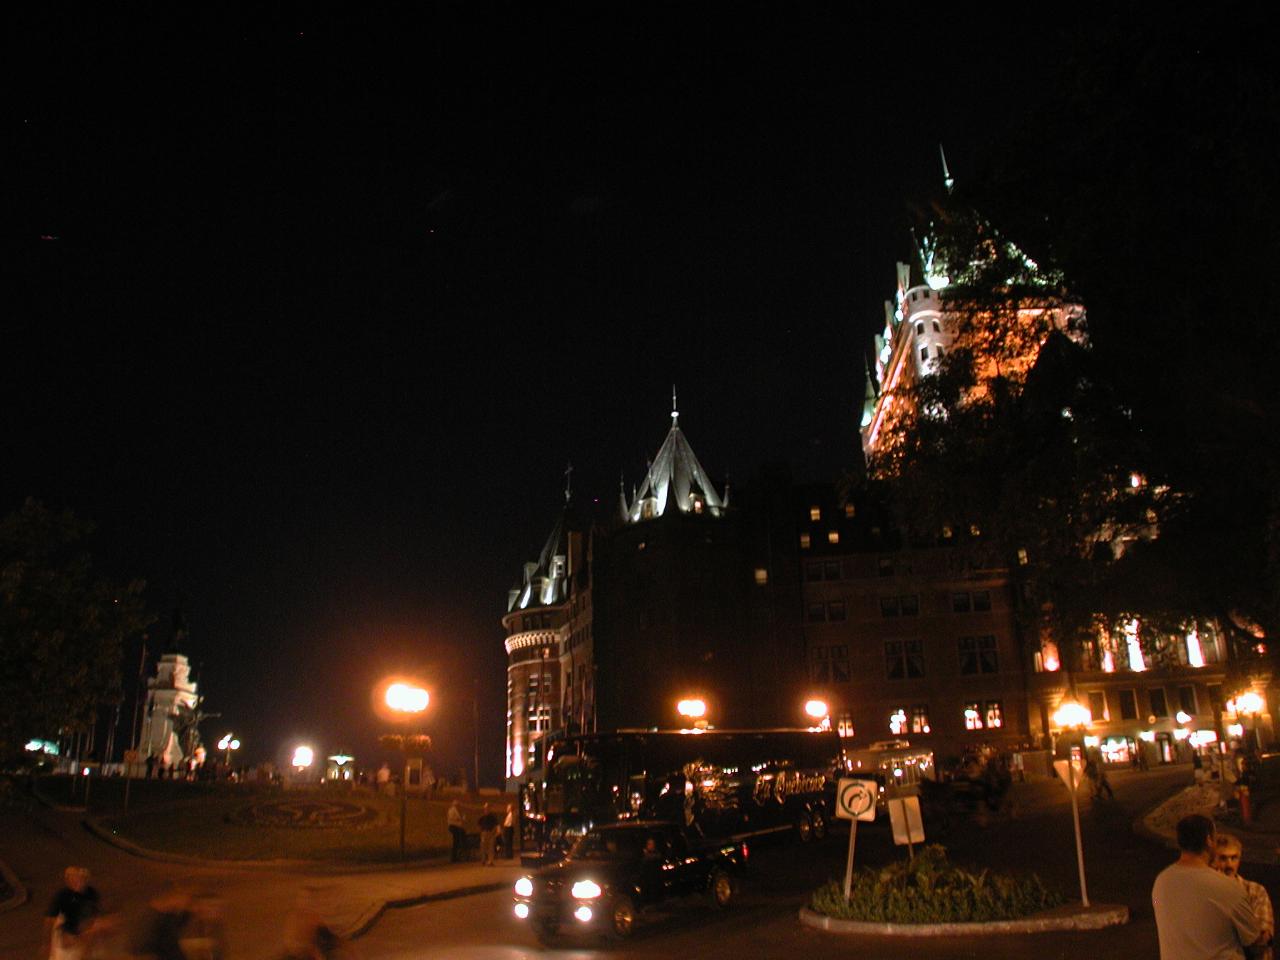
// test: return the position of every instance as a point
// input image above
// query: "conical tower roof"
(675, 480)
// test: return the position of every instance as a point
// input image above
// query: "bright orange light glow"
(692, 708)
(1248, 703)
(303, 757)
(404, 698)
(816, 709)
(1072, 714)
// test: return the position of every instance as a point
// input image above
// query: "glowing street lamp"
(406, 698)
(694, 710)
(1071, 715)
(406, 701)
(817, 711)
(226, 745)
(303, 757)
(1250, 704)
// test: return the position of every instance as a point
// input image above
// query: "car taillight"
(745, 852)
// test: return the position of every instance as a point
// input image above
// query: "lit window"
(898, 721)
(844, 725)
(804, 541)
(1023, 559)
(815, 514)
(833, 536)
(995, 715)
(848, 510)
(762, 576)
(920, 718)
(947, 533)
(972, 718)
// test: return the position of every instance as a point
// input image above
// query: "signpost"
(1070, 774)
(908, 826)
(855, 800)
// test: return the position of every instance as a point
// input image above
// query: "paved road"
(763, 923)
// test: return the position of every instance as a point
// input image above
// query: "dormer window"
(648, 508)
(920, 329)
(697, 505)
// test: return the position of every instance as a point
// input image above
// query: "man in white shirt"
(1200, 914)
(1227, 862)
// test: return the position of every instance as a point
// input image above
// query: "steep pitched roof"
(545, 581)
(675, 478)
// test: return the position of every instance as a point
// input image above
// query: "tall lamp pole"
(405, 701)
(1072, 716)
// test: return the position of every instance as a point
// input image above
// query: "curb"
(364, 923)
(104, 834)
(1073, 917)
(20, 894)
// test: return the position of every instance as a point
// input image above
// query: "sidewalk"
(1261, 845)
(37, 848)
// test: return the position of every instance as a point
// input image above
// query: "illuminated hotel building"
(673, 592)
(936, 644)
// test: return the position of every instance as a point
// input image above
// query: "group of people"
(181, 922)
(1204, 909)
(488, 825)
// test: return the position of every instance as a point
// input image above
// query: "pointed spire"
(568, 481)
(675, 410)
(947, 179)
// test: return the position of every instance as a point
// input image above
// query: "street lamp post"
(818, 712)
(694, 710)
(1072, 716)
(406, 701)
(226, 745)
(1249, 705)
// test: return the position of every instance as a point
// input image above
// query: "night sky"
(313, 309)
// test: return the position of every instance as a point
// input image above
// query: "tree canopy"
(62, 627)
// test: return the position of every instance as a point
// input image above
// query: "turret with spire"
(675, 477)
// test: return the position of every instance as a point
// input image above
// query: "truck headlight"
(524, 887)
(585, 890)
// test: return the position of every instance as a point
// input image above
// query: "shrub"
(930, 889)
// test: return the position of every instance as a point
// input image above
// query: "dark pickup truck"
(613, 872)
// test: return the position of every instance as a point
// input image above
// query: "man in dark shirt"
(70, 916)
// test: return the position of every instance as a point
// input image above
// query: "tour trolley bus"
(718, 784)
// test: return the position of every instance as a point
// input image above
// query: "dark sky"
(331, 300)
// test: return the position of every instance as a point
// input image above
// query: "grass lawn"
(225, 821)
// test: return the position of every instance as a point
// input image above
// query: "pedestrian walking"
(1199, 912)
(509, 832)
(1228, 851)
(70, 919)
(488, 824)
(159, 933)
(457, 830)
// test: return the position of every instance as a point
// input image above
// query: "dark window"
(904, 659)
(831, 570)
(1128, 705)
(889, 607)
(920, 329)
(1098, 705)
(982, 601)
(820, 671)
(924, 353)
(886, 567)
(979, 655)
(960, 603)
(813, 571)
(910, 605)
(836, 610)
(817, 613)
(1159, 705)
(936, 328)
(1187, 699)
(840, 671)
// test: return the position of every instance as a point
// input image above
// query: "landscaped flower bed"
(930, 889)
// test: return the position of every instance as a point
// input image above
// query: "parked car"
(616, 871)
